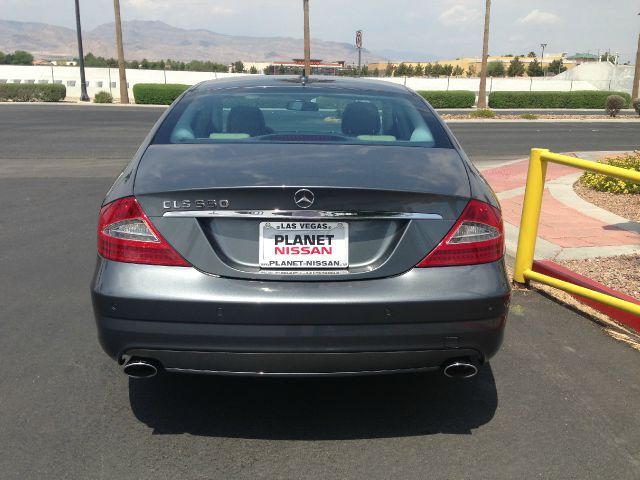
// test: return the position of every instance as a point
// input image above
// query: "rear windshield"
(301, 116)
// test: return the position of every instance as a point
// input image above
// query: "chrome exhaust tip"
(460, 369)
(140, 368)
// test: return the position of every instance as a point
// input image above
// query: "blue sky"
(443, 28)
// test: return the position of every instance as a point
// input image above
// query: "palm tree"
(482, 96)
(636, 78)
(307, 41)
(124, 92)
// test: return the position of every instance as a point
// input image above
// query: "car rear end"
(300, 252)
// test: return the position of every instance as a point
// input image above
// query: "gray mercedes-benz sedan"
(274, 225)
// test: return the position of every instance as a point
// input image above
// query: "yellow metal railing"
(532, 204)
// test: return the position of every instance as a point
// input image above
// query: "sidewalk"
(570, 227)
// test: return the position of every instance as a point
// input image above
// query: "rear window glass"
(301, 116)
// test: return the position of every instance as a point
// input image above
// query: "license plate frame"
(303, 245)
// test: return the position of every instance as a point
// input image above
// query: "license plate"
(304, 245)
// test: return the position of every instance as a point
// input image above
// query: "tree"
(495, 69)
(364, 71)
(531, 55)
(253, 70)
(437, 70)
(471, 71)
(20, 57)
(376, 72)
(410, 71)
(447, 70)
(534, 69)
(419, 70)
(516, 68)
(307, 39)
(388, 72)
(428, 70)
(482, 94)
(606, 56)
(556, 67)
(635, 89)
(401, 70)
(458, 71)
(238, 67)
(281, 70)
(124, 92)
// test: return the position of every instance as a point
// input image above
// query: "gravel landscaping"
(622, 273)
(627, 206)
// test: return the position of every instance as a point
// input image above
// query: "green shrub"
(103, 97)
(157, 93)
(636, 105)
(577, 99)
(35, 92)
(614, 104)
(483, 113)
(449, 99)
(529, 116)
(604, 183)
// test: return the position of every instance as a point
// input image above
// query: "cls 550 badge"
(184, 204)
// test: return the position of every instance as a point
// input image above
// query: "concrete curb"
(71, 104)
(545, 120)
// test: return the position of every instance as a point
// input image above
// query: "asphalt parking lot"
(559, 401)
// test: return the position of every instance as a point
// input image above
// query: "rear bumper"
(190, 321)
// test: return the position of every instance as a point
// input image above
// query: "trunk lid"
(209, 201)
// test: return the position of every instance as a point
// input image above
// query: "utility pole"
(124, 92)
(636, 78)
(307, 40)
(83, 81)
(482, 94)
(359, 47)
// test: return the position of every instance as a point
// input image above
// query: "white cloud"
(218, 10)
(538, 17)
(459, 15)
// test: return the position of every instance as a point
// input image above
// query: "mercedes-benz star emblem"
(304, 198)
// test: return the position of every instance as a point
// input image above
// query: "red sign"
(359, 39)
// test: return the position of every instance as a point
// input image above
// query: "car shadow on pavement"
(314, 409)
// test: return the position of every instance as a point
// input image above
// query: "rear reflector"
(477, 237)
(126, 235)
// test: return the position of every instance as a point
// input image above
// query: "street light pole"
(124, 92)
(359, 47)
(307, 40)
(636, 77)
(543, 45)
(482, 94)
(83, 81)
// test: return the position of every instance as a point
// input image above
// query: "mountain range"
(156, 40)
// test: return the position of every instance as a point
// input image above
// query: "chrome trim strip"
(302, 214)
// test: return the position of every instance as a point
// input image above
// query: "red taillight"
(126, 235)
(477, 237)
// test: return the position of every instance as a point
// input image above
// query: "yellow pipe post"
(530, 214)
(584, 292)
(610, 170)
